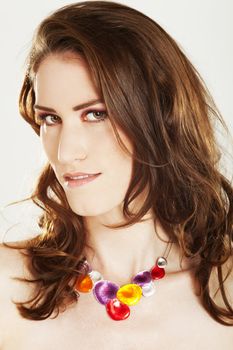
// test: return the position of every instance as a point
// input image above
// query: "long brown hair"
(153, 92)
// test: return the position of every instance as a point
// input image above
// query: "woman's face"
(68, 134)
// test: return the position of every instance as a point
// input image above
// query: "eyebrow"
(75, 108)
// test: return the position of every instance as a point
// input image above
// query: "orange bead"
(84, 284)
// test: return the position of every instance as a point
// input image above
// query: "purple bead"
(104, 291)
(84, 267)
(142, 278)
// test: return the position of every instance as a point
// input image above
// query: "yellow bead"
(129, 294)
(84, 284)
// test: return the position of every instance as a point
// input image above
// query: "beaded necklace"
(118, 299)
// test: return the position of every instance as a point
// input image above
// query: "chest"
(170, 319)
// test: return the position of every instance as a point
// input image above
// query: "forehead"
(56, 64)
(63, 74)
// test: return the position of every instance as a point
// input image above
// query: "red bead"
(117, 310)
(157, 272)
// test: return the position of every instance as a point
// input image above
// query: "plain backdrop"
(203, 29)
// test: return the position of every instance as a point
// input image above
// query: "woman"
(137, 219)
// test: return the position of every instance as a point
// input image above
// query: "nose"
(72, 144)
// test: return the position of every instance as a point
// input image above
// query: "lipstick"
(74, 181)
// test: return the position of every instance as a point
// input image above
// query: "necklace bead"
(142, 278)
(118, 299)
(157, 272)
(117, 310)
(148, 289)
(95, 276)
(105, 291)
(161, 262)
(84, 284)
(129, 294)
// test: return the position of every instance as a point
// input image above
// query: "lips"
(68, 176)
(78, 179)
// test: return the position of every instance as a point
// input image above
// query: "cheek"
(117, 183)
(119, 166)
(117, 161)
(109, 190)
(49, 145)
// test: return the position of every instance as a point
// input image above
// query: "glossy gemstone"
(105, 291)
(84, 284)
(157, 272)
(142, 278)
(117, 310)
(129, 294)
(95, 276)
(161, 261)
(84, 267)
(148, 289)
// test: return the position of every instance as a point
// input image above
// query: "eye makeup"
(99, 115)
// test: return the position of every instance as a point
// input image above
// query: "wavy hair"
(157, 97)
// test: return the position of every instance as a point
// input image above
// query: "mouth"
(75, 181)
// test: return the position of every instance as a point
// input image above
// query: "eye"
(93, 116)
(49, 119)
(98, 116)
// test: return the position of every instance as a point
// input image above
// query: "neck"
(119, 254)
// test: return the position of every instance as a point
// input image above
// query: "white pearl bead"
(95, 276)
(148, 289)
(161, 262)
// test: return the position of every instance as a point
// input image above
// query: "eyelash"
(42, 117)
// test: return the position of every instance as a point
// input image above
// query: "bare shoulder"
(12, 260)
(12, 267)
(226, 274)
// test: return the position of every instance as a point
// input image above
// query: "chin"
(86, 212)
(98, 209)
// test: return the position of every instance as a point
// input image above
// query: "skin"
(173, 317)
(62, 82)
